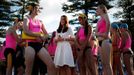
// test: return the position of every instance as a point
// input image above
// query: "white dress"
(63, 53)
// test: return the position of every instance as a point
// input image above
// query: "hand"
(60, 38)
(43, 38)
(105, 35)
(39, 39)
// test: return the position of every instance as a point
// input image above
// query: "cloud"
(51, 13)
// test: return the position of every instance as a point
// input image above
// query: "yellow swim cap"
(83, 16)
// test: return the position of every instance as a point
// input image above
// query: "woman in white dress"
(63, 59)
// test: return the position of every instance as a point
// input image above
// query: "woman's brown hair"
(65, 27)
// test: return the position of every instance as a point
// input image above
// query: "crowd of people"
(65, 53)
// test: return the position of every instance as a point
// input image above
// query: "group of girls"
(84, 42)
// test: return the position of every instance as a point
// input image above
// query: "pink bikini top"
(101, 25)
(95, 50)
(128, 43)
(35, 26)
(11, 41)
(81, 34)
(117, 41)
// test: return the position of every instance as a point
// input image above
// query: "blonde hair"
(103, 7)
(83, 16)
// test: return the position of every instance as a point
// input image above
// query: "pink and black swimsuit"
(35, 26)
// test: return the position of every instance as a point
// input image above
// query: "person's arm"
(123, 38)
(96, 31)
(106, 34)
(45, 33)
(71, 35)
(76, 41)
(115, 41)
(44, 29)
(12, 31)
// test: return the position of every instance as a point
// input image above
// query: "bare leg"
(105, 56)
(68, 70)
(96, 64)
(81, 63)
(29, 59)
(62, 71)
(117, 66)
(9, 64)
(46, 58)
(126, 59)
(20, 71)
(90, 63)
(114, 65)
(73, 71)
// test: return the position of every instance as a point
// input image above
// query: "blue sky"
(51, 13)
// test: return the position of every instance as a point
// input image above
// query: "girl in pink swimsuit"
(103, 36)
(126, 47)
(95, 45)
(52, 45)
(32, 26)
(116, 43)
(10, 48)
(85, 57)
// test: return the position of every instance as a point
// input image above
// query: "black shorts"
(128, 52)
(10, 50)
(100, 43)
(36, 46)
(20, 56)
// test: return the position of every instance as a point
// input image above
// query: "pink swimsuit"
(34, 26)
(52, 47)
(95, 50)
(2, 57)
(117, 41)
(11, 41)
(81, 34)
(101, 24)
(128, 44)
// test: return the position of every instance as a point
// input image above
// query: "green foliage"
(127, 14)
(87, 5)
(9, 11)
(20, 6)
(5, 16)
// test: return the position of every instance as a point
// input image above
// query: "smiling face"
(36, 10)
(64, 20)
(101, 9)
(98, 11)
(81, 20)
(20, 24)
